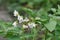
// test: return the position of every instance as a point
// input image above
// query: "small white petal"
(26, 19)
(20, 18)
(15, 13)
(14, 24)
(31, 25)
(25, 26)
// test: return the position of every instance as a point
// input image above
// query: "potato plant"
(34, 20)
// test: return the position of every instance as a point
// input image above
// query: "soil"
(5, 16)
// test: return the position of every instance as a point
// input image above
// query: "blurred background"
(7, 7)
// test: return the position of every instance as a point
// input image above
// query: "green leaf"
(15, 38)
(42, 13)
(22, 1)
(49, 38)
(29, 12)
(51, 25)
(58, 11)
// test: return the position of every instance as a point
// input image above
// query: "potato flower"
(25, 26)
(20, 19)
(16, 13)
(15, 24)
(31, 25)
(26, 19)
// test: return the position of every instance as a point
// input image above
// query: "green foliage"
(49, 23)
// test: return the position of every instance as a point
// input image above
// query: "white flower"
(25, 26)
(31, 25)
(26, 19)
(16, 13)
(37, 18)
(20, 18)
(14, 24)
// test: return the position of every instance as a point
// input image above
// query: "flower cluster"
(22, 20)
